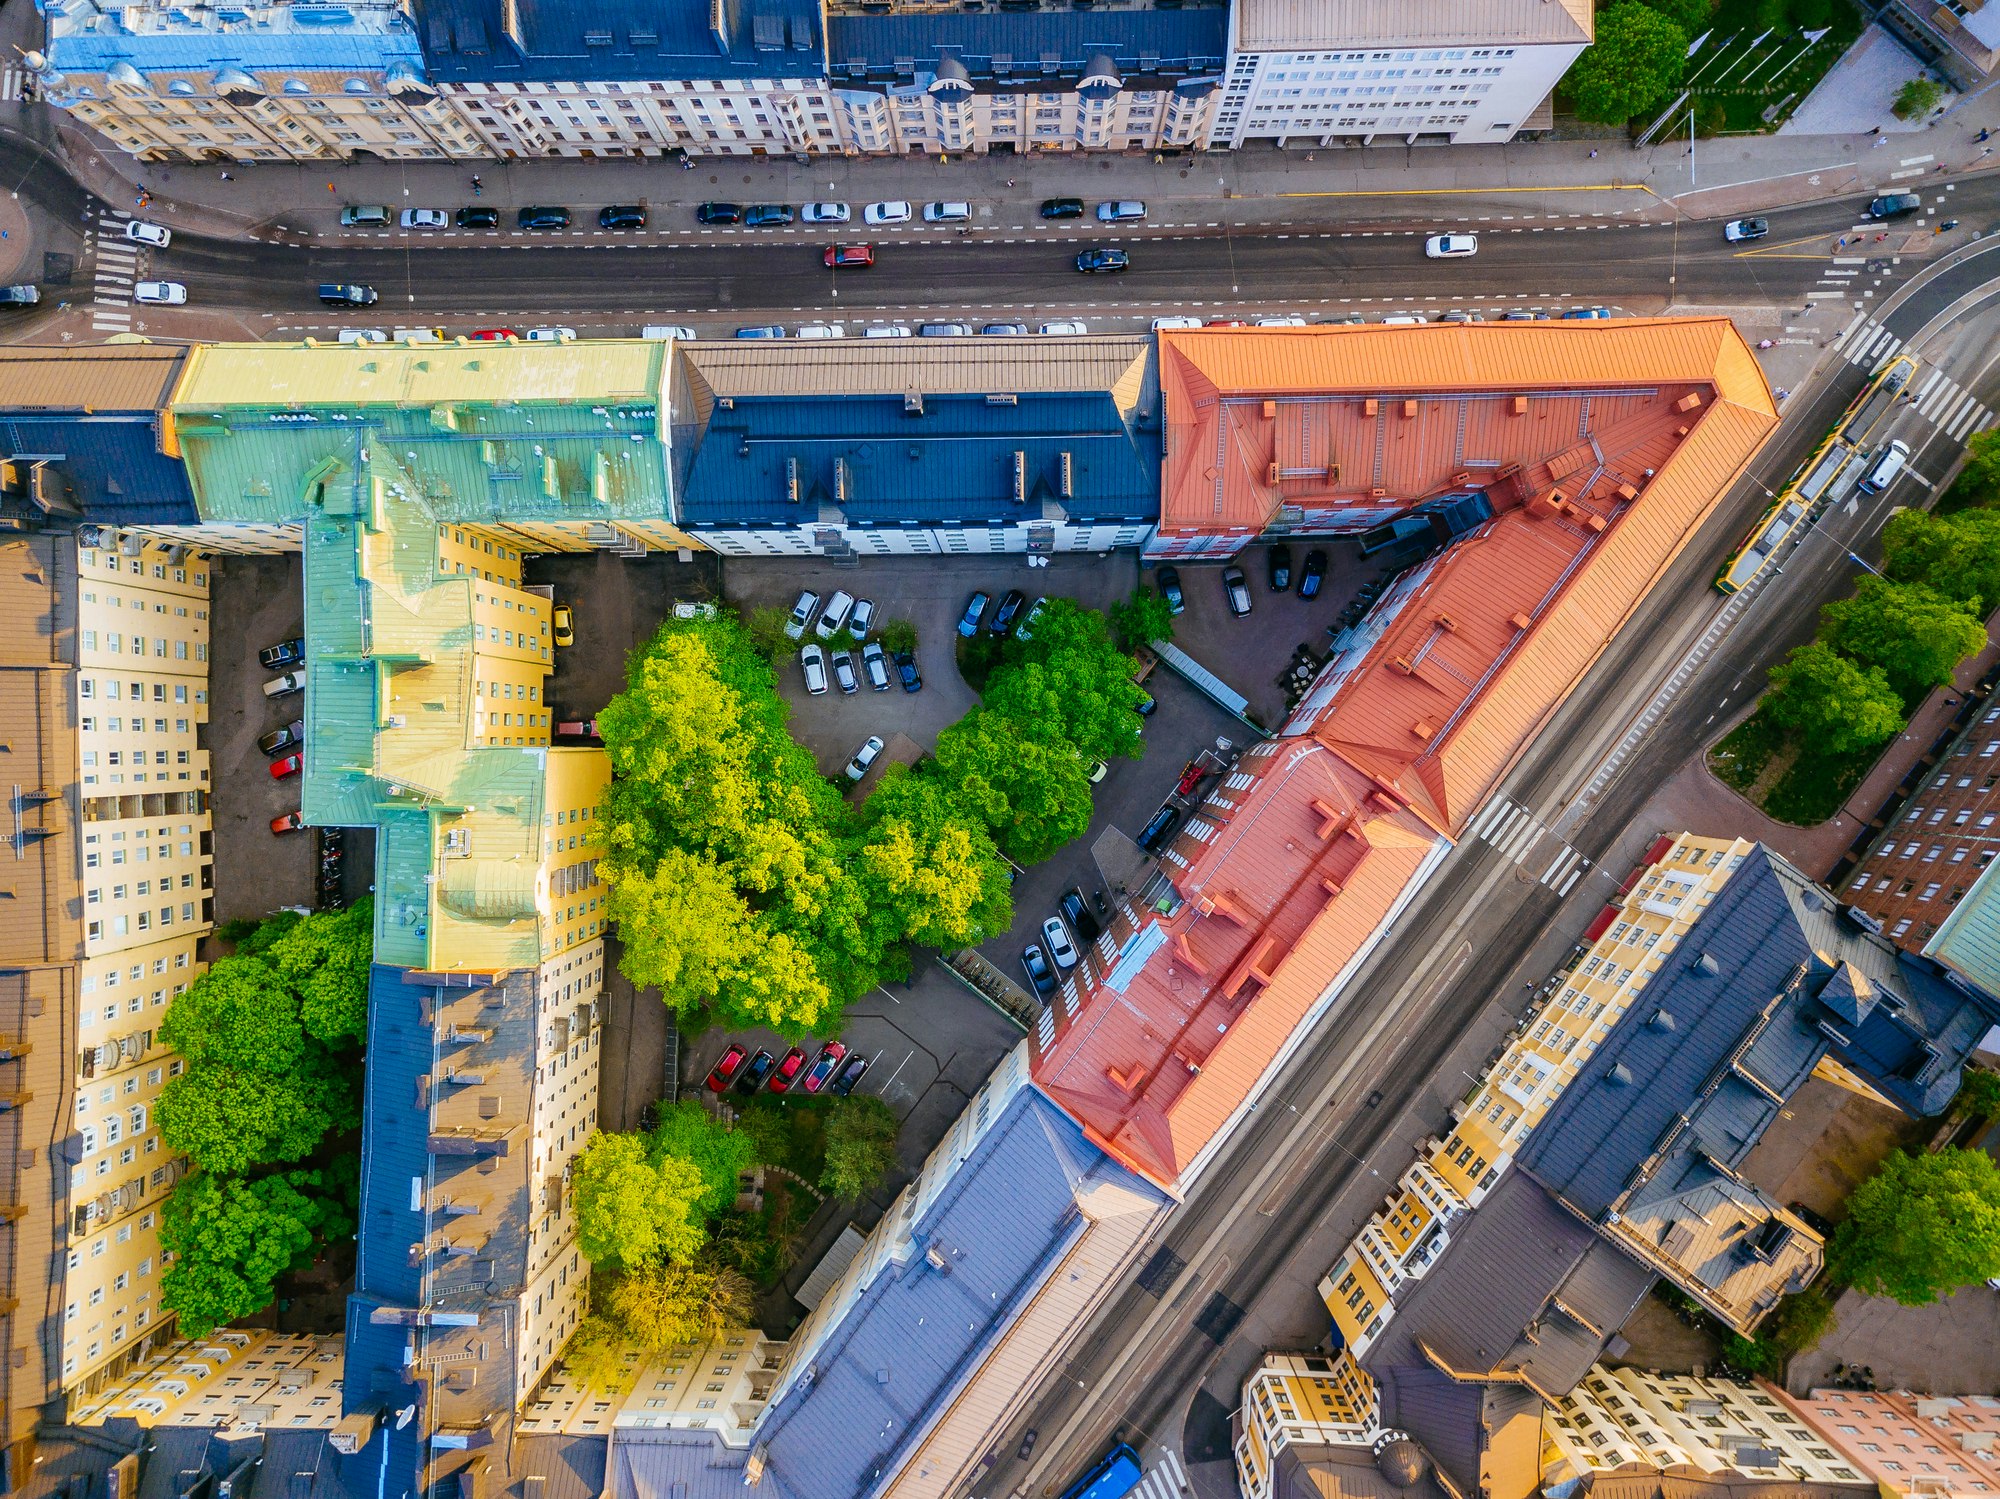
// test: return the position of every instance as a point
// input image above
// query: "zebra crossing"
(1164, 1480)
(117, 268)
(1516, 831)
(1866, 342)
(1951, 408)
(13, 82)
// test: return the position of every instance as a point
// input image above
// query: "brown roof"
(41, 916)
(113, 377)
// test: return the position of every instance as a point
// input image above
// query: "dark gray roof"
(1304, 1470)
(563, 42)
(660, 1463)
(1029, 50)
(1688, 1484)
(114, 470)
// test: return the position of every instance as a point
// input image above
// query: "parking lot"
(615, 603)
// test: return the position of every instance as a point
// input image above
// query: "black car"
(754, 1072)
(767, 215)
(1098, 262)
(336, 295)
(285, 740)
(1076, 911)
(1153, 837)
(542, 218)
(1894, 205)
(283, 655)
(1169, 581)
(1040, 979)
(1148, 705)
(848, 1076)
(621, 216)
(1311, 575)
(719, 213)
(479, 216)
(1062, 208)
(906, 668)
(1003, 617)
(1280, 559)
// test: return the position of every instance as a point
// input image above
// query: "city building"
(80, 436)
(1361, 71)
(1956, 37)
(234, 1379)
(259, 82)
(885, 447)
(1907, 1445)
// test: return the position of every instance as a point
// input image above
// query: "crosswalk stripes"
(115, 270)
(1165, 1480)
(13, 82)
(1866, 342)
(1515, 831)
(1948, 406)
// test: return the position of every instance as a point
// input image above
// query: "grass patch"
(1758, 80)
(1741, 757)
(1773, 771)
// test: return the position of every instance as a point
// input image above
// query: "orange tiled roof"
(1284, 879)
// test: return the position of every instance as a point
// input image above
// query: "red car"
(787, 1069)
(823, 1066)
(290, 765)
(845, 255)
(724, 1070)
(1190, 778)
(494, 335)
(1228, 322)
(290, 822)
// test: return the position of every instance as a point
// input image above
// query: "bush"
(1916, 99)
(1978, 1094)
(899, 635)
(860, 1147)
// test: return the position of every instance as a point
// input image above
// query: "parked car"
(762, 330)
(1451, 246)
(285, 686)
(1025, 630)
(19, 296)
(542, 218)
(1002, 330)
(290, 765)
(286, 737)
(724, 1069)
(862, 619)
(1099, 261)
(1041, 980)
(160, 293)
(944, 330)
(755, 1071)
(812, 661)
(1003, 617)
(719, 213)
(1027, 1443)
(947, 213)
(678, 332)
(836, 257)
(493, 335)
(885, 330)
(423, 218)
(551, 335)
(1061, 950)
(886, 213)
(849, 1076)
(622, 216)
(768, 215)
(864, 757)
(364, 216)
(1064, 328)
(1169, 581)
(1894, 205)
(1076, 911)
(478, 216)
(288, 822)
(1279, 559)
(822, 330)
(1588, 312)
(1120, 213)
(802, 613)
(1738, 230)
(1176, 324)
(829, 1059)
(1155, 835)
(975, 610)
(578, 728)
(1312, 574)
(835, 619)
(139, 232)
(1192, 777)
(843, 671)
(1287, 320)
(824, 213)
(787, 1069)
(1061, 208)
(1236, 590)
(285, 653)
(875, 666)
(1147, 705)
(906, 669)
(334, 294)
(565, 626)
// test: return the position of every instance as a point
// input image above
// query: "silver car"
(864, 757)
(802, 613)
(812, 661)
(1061, 949)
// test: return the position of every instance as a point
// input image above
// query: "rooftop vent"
(1662, 1020)
(1707, 964)
(1620, 1076)
(913, 403)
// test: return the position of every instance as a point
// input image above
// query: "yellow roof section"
(590, 370)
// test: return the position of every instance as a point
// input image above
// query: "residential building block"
(1947, 1446)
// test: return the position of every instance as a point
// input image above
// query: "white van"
(363, 336)
(1886, 468)
(419, 335)
(668, 330)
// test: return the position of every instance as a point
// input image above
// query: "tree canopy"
(688, 1132)
(1141, 619)
(325, 959)
(1913, 632)
(231, 1239)
(929, 867)
(1636, 63)
(1070, 684)
(632, 1210)
(239, 1014)
(860, 1146)
(234, 1120)
(1957, 554)
(1034, 796)
(1921, 1227)
(660, 1306)
(1835, 705)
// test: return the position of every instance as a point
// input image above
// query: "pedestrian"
(227, 178)
(1010, 181)
(1309, 156)
(1593, 156)
(329, 187)
(1982, 135)
(1881, 140)
(1880, 237)
(1877, 130)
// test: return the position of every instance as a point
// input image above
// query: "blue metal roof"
(953, 465)
(1029, 49)
(206, 52)
(609, 40)
(114, 461)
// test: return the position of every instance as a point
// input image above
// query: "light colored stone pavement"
(1858, 91)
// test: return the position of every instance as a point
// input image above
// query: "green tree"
(1982, 463)
(1916, 98)
(239, 1014)
(230, 1120)
(1913, 632)
(1034, 796)
(929, 867)
(860, 1146)
(325, 960)
(1957, 554)
(1692, 16)
(598, 1356)
(686, 1131)
(898, 635)
(1921, 1227)
(766, 629)
(1978, 1094)
(1636, 64)
(1070, 685)
(632, 1211)
(231, 1239)
(1832, 704)
(253, 938)
(1141, 619)
(662, 1305)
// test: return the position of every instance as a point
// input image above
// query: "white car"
(1174, 324)
(1281, 322)
(1056, 935)
(862, 620)
(674, 331)
(875, 666)
(802, 613)
(886, 213)
(1451, 246)
(824, 213)
(423, 218)
(141, 233)
(947, 213)
(363, 336)
(160, 293)
(550, 335)
(864, 757)
(822, 330)
(285, 686)
(885, 330)
(1068, 326)
(812, 661)
(835, 618)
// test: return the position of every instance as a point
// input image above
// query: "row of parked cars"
(835, 1070)
(780, 215)
(484, 216)
(1059, 328)
(1076, 921)
(857, 617)
(285, 745)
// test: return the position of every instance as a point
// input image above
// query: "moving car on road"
(1102, 261)
(1451, 246)
(1894, 206)
(139, 232)
(1736, 231)
(333, 294)
(836, 257)
(160, 293)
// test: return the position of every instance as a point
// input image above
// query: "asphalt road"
(1466, 952)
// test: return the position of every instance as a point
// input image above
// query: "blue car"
(1097, 262)
(770, 330)
(1588, 312)
(975, 610)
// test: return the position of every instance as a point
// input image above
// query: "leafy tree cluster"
(1978, 1094)
(860, 1146)
(1921, 1227)
(1916, 98)
(1636, 64)
(645, 1198)
(271, 1039)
